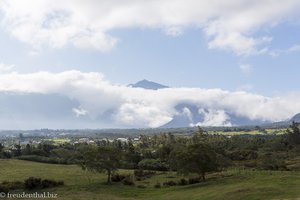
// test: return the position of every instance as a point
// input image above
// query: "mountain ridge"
(149, 85)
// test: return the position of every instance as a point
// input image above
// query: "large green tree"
(100, 159)
(195, 158)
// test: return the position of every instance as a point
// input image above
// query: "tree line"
(197, 153)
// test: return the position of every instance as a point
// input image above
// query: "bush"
(251, 164)
(157, 185)
(51, 183)
(271, 162)
(142, 186)
(128, 180)
(6, 186)
(243, 155)
(117, 177)
(141, 173)
(194, 180)
(170, 183)
(153, 164)
(32, 183)
(139, 178)
(182, 181)
(43, 159)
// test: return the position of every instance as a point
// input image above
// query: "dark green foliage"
(169, 183)
(194, 180)
(5, 155)
(117, 177)
(293, 134)
(141, 186)
(34, 183)
(196, 158)
(7, 186)
(128, 180)
(17, 151)
(223, 162)
(153, 164)
(270, 161)
(157, 185)
(139, 173)
(182, 181)
(243, 155)
(100, 159)
(48, 183)
(43, 159)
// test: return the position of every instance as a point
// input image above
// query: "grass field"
(251, 132)
(231, 184)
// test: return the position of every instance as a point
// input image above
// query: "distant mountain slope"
(148, 85)
(295, 118)
(190, 115)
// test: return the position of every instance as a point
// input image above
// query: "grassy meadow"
(231, 184)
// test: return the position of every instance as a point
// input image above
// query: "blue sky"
(182, 61)
(244, 51)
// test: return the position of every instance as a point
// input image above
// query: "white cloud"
(214, 118)
(277, 52)
(246, 68)
(229, 25)
(294, 48)
(4, 68)
(79, 111)
(148, 108)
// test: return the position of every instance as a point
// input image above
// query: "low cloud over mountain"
(73, 99)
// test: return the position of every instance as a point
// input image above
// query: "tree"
(199, 136)
(100, 159)
(27, 150)
(131, 156)
(195, 158)
(18, 151)
(293, 134)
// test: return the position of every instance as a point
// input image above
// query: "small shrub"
(170, 176)
(139, 178)
(46, 183)
(3, 188)
(183, 181)
(117, 177)
(153, 164)
(194, 180)
(157, 185)
(141, 173)
(271, 162)
(170, 183)
(7, 186)
(32, 183)
(142, 186)
(44, 159)
(251, 164)
(128, 180)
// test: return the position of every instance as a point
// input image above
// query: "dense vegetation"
(198, 158)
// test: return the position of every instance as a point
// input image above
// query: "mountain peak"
(146, 84)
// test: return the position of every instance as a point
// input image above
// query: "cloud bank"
(228, 25)
(136, 107)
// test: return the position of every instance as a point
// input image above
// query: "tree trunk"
(108, 177)
(203, 176)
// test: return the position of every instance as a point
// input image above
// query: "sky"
(248, 47)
